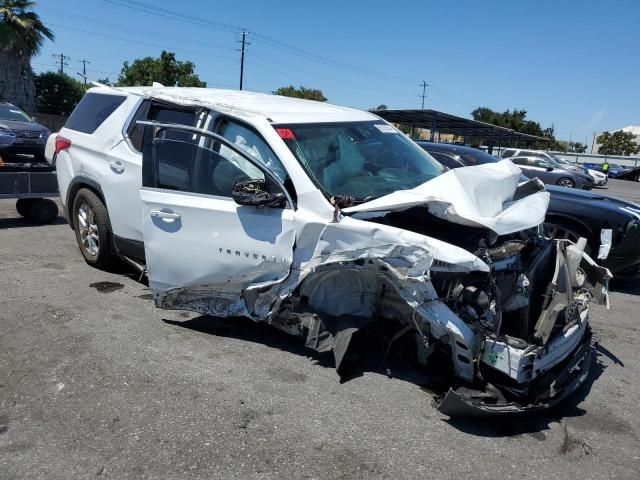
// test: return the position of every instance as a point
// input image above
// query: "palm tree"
(22, 35)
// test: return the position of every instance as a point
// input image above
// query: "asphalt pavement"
(96, 382)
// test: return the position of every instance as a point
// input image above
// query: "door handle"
(116, 166)
(165, 215)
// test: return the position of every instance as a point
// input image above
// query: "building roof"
(451, 124)
(276, 108)
(635, 129)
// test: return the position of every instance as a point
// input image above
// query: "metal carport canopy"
(445, 123)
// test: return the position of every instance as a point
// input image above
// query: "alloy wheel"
(88, 230)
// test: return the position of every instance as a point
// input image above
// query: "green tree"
(577, 147)
(617, 143)
(58, 93)
(381, 107)
(517, 120)
(302, 92)
(166, 70)
(22, 35)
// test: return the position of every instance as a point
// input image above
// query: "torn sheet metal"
(606, 235)
(475, 196)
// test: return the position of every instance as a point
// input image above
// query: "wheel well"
(575, 224)
(73, 191)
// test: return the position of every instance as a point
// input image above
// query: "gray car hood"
(479, 196)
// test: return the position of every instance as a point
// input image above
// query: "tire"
(23, 206)
(566, 182)
(44, 211)
(564, 230)
(93, 229)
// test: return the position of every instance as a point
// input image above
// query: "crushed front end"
(530, 313)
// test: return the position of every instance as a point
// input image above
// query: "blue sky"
(575, 65)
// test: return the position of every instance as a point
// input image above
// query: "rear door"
(124, 168)
(203, 250)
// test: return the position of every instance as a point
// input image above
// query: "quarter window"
(92, 111)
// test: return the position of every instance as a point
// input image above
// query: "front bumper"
(489, 401)
(23, 148)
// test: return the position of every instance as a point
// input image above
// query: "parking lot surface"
(96, 382)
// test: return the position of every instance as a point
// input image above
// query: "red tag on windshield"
(285, 133)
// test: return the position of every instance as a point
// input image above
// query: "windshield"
(363, 159)
(13, 114)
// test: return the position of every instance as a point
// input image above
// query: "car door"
(125, 170)
(204, 251)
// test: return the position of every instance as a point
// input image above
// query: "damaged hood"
(480, 196)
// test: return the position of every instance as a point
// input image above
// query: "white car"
(322, 221)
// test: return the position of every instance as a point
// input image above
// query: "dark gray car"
(21, 134)
(552, 174)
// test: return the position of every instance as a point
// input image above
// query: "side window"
(539, 163)
(508, 153)
(446, 160)
(187, 166)
(251, 142)
(519, 161)
(139, 135)
(92, 111)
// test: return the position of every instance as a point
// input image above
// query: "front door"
(203, 250)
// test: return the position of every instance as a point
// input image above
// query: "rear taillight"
(62, 144)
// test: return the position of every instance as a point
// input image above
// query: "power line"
(122, 39)
(127, 28)
(268, 41)
(84, 62)
(244, 43)
(63, 61)
(424, 86)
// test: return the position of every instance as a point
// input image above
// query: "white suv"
(323, 220)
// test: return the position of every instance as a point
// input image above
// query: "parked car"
(599, 178)
(324, 220)
(617, 171)
(20, 134)
(535, 167)
(611, 225)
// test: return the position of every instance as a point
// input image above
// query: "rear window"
(508, 153)
(92, 111)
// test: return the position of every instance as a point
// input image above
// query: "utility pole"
(424, 86)
(84, 62)
(63, 61)
(244, 44)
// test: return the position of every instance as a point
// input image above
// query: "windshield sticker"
(384, 128)
(285, 133)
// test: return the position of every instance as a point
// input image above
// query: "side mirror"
(549, 168)
(252, 193)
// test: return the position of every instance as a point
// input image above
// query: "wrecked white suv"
(320, 220)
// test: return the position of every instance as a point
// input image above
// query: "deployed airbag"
(479, 196)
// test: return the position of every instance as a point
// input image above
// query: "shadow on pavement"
(402, 366)
(630, 287)
(534, 423)
(20, 222)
